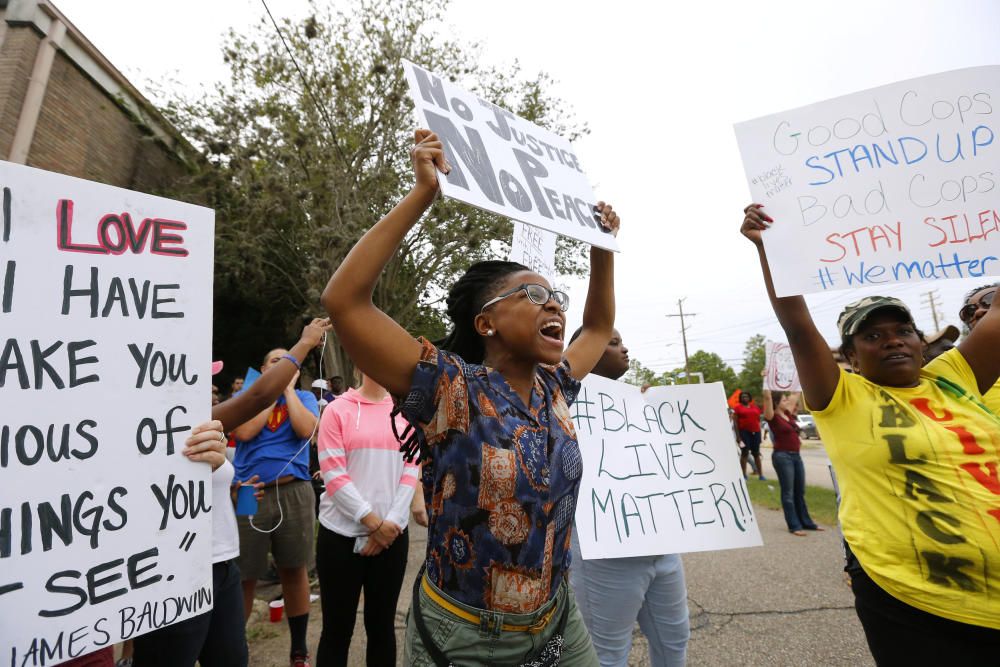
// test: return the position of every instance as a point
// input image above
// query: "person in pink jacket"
(363, 541)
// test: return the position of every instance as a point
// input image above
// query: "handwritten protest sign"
(780, 373)
(536, 249)
(660, 471)
(105, 343)
(892, 184)
(505, 164)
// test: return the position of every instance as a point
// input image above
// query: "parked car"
(807, 426)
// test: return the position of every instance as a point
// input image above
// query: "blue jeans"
(612, 593)
(792, 479)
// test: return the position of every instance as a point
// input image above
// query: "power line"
(832, 301)
(933, 303)
(305, 82)
(680, 314)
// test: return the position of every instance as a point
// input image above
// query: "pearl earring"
(489, 332)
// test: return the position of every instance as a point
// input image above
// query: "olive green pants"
(486, 645)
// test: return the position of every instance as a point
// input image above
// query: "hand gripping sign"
(505, 164)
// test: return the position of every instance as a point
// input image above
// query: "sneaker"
(124, 662)
(300, 660)
(762, 478)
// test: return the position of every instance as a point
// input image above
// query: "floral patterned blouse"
(501, 481)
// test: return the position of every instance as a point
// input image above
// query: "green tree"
(710, 365)
(298, 173)
(750, 378)
(639, 375)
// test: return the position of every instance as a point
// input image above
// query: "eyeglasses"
(537, 294)
(968, 311)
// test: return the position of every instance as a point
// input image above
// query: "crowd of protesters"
(471, 436)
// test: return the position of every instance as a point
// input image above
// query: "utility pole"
(932, 302)
(680, 313)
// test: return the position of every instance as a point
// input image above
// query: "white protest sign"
(105, 353)
(661, 473)
(780, 373)
(536, 249)
(505, 164)
(892, 184)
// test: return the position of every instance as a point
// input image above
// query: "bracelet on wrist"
(377, 527)
(292, 359)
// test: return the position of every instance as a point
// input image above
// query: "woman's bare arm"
(818, 372)
(768, 405)
(980, 349)
(377, 344)
(599, 311)
(268, 387)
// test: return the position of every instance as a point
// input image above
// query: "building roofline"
(41, 14)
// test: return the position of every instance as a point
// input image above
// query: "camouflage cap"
(854, 314)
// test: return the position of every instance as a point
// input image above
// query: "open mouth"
(896, 358)
(552, 332)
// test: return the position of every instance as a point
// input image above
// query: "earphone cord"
(277, 487)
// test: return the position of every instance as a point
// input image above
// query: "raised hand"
(313, 332)
(428, 159)
(754, 222)
(609, 220)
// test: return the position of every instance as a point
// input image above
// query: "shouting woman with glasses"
(490, 407)
(916, 455)
(977, 304)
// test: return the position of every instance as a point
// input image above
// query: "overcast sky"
(660, 86)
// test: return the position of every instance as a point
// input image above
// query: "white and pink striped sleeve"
(400, 510)
(333, 466)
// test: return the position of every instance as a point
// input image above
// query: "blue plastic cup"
(246, 501)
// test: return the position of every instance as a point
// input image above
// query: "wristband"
(293, 360)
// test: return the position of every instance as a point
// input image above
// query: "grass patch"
(822, 502)
(257, 633)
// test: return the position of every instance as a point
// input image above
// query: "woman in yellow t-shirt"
(917, 457)
(977, 303)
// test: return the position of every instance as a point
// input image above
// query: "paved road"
(813, 457)
(785, 603)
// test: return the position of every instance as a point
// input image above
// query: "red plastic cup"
(277, 607)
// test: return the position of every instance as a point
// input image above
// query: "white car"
(807, 426)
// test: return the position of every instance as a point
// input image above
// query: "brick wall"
(81, 130)
(17, 57)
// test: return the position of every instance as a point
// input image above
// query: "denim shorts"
(752, 440)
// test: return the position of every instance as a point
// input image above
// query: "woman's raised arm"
(818, 372)
(377, 344)
(268, 387)
(768, 405)
(980, 348)
(599, 311)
